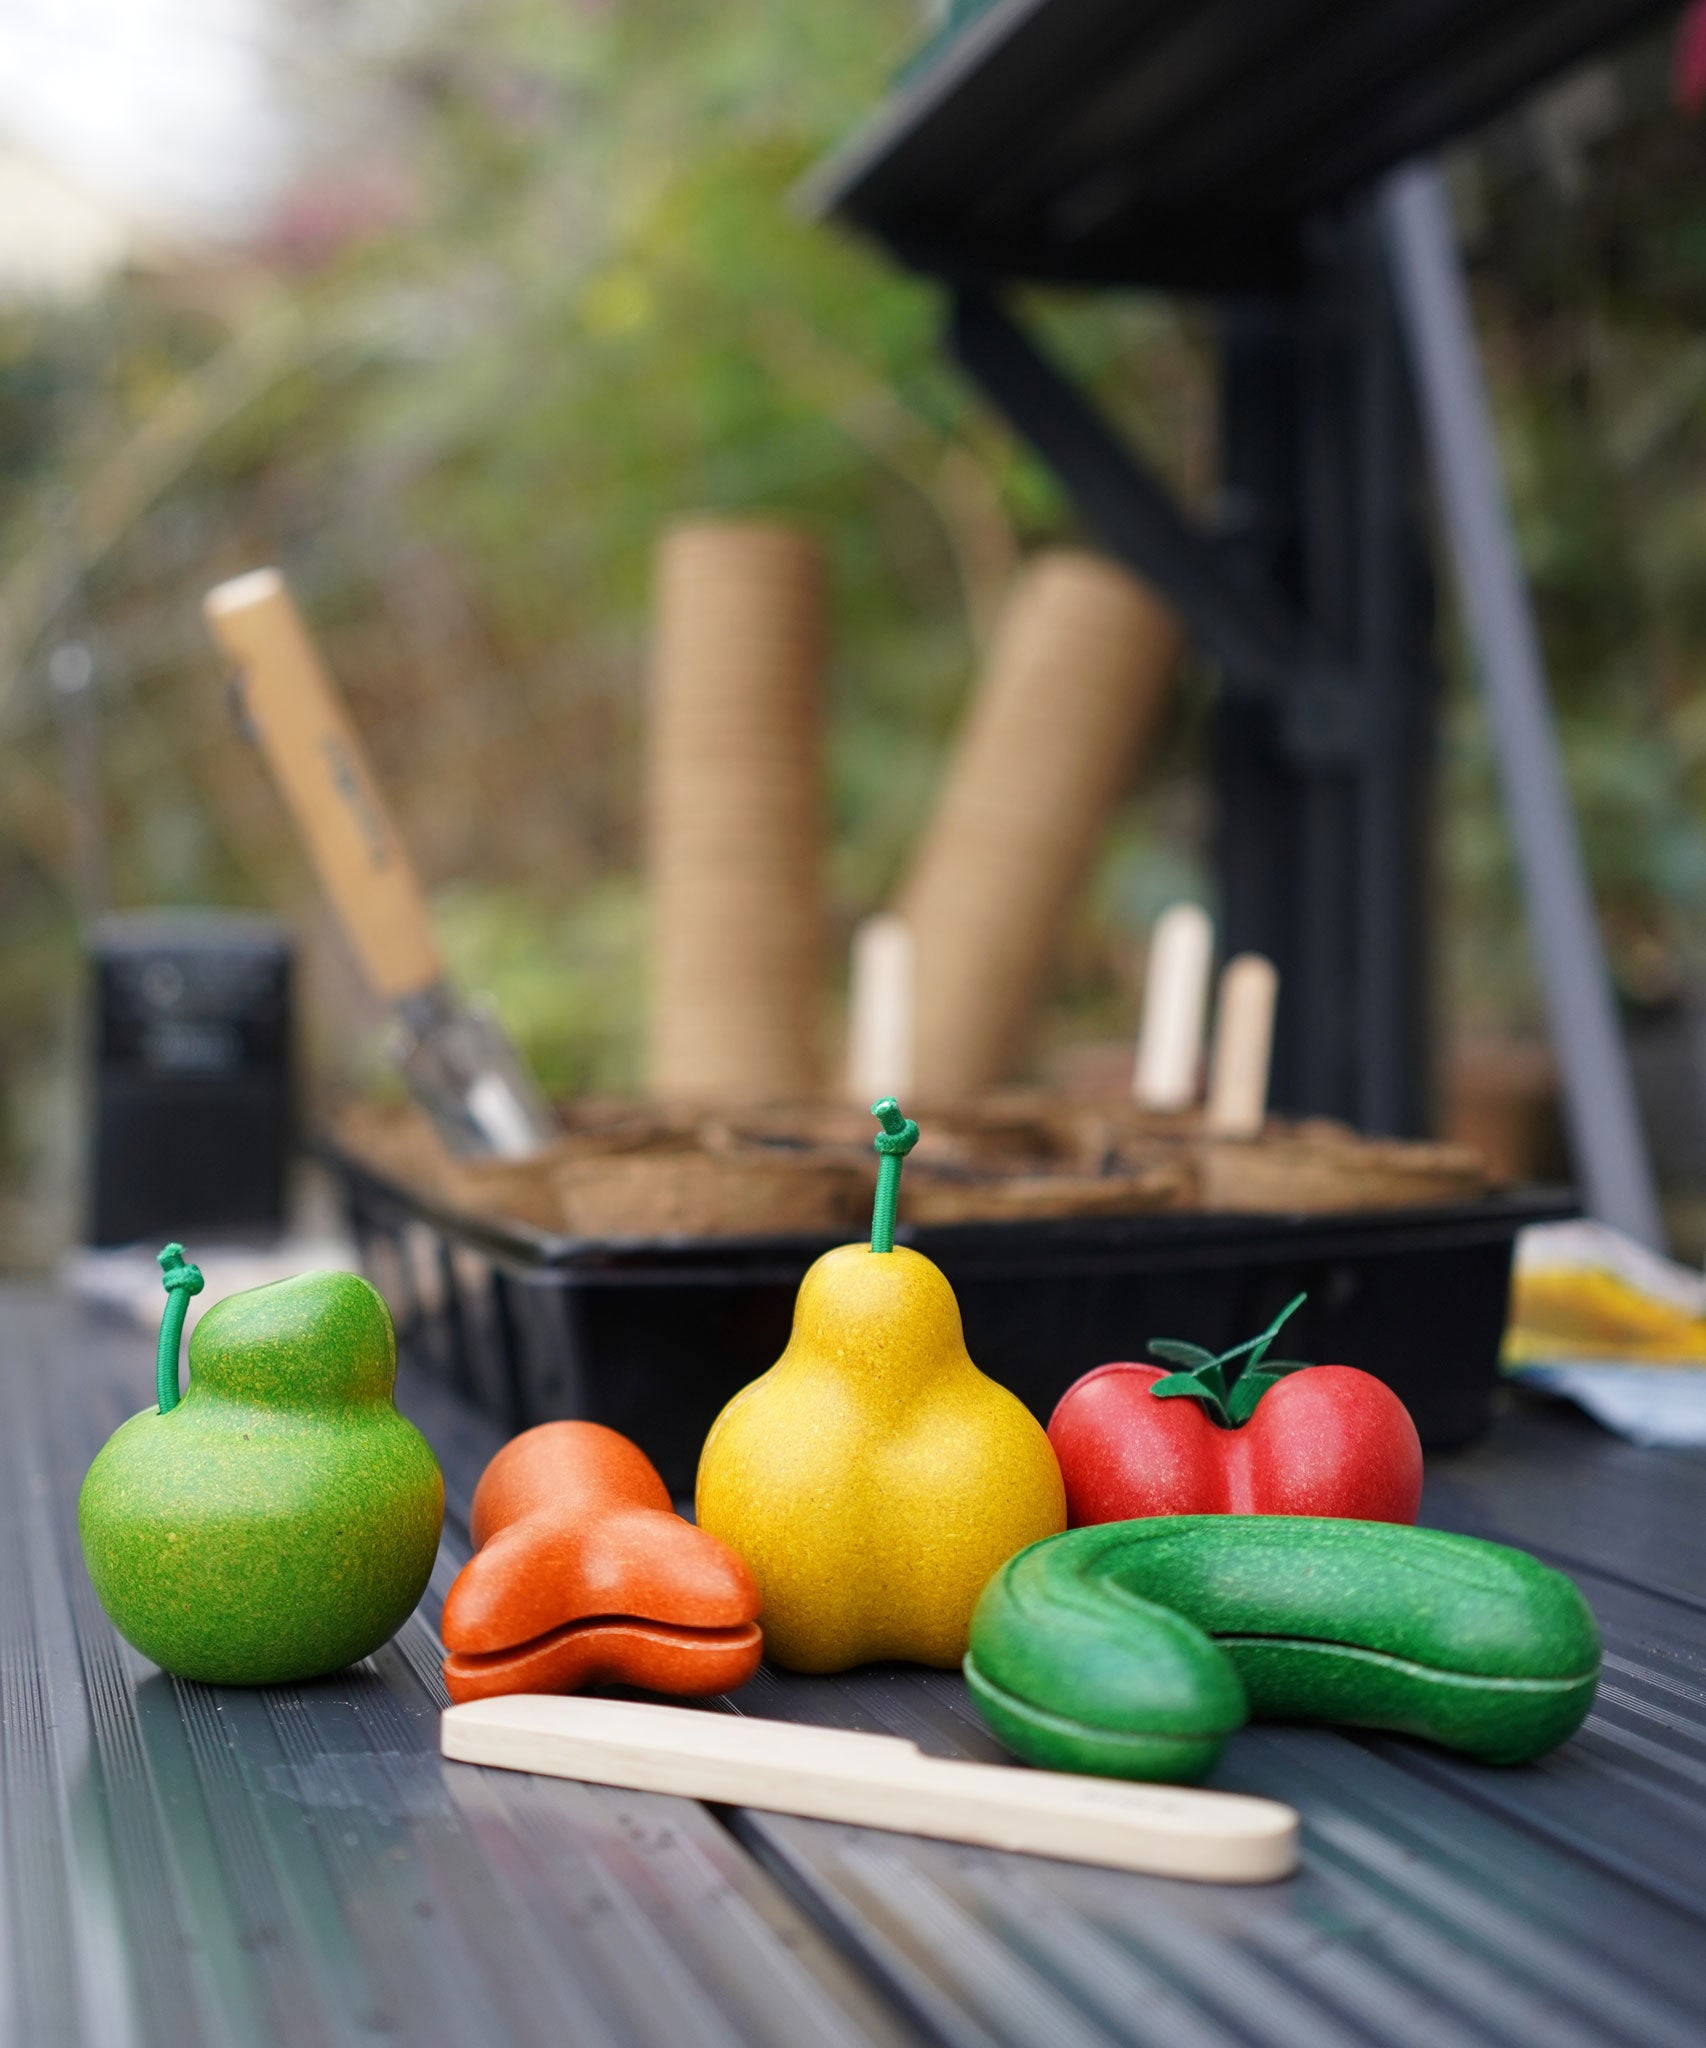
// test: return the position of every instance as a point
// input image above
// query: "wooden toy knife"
(878, 1781)
(458, 1062)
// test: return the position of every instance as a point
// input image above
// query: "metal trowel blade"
(467, 1075)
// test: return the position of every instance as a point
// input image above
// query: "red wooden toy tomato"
(1269, 1439)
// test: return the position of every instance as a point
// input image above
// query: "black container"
(652, 1338)
(191, 1111)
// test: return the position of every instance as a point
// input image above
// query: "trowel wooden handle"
(318, 761)
(878, 1781)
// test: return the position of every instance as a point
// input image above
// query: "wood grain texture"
(879, 1781)
(321, 768)
(735, 818)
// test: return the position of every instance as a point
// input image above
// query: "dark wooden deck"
(182, 1865)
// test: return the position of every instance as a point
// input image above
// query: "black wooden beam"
(1245, 625)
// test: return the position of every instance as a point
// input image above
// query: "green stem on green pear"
(892, 1143)
(180, 1280)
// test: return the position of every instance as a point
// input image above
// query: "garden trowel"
(459, 1064)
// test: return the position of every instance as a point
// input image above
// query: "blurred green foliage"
(1586, 218)
(552, 294)
(549, 293)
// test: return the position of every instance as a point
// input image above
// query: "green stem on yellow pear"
(893, 1142)
(180, 1280)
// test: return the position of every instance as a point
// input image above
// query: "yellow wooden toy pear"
(873, 1479)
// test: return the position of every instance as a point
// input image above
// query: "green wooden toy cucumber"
(1134, 1649)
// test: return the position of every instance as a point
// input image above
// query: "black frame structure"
(1255, 150)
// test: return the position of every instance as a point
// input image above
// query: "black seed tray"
(653, 1336)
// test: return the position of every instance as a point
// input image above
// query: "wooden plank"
(247, 1867)
(1438, 1900)
(1552, 1481)
(187, 1864)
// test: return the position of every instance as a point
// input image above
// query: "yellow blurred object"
(874, 1479)
(1561, 1312)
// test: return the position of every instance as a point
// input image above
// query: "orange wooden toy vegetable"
(583, 1574)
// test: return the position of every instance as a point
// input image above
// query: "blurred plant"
(568, 985)
(1589, 251)
(542, 292)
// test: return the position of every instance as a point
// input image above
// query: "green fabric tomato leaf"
(1258, 1346)
(1177, 1352)
(1207, 1386)
(1251, 1386)
(1229, 1399)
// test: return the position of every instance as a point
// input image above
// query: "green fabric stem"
(180, 1280)
(892, 1143)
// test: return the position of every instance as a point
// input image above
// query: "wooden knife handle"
(879, 1781)
(318, 761)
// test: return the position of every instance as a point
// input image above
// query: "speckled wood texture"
(282, 1520)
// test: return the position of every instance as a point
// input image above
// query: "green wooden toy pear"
(873, 1479)
(281, 1519)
